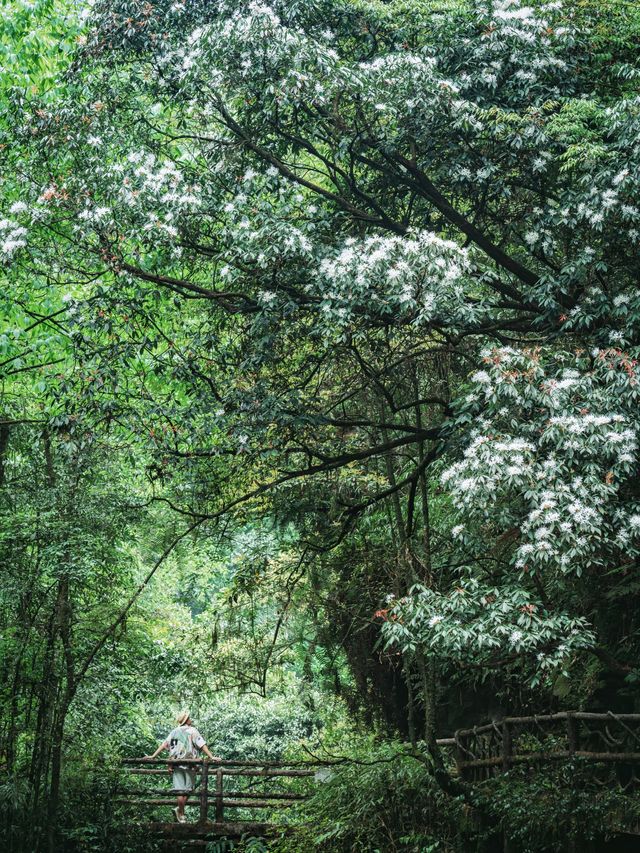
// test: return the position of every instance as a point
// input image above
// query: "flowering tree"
(384, 251)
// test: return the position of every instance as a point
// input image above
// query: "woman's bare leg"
(182, 802)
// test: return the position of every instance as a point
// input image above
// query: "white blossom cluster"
(419, 277)
(263, 49)
(156, 188)
(146, 195)
(558, 480)
(246, 43)
(12, 234)
(514, 19)
(478, 623)
(260, 233)
(391, 84)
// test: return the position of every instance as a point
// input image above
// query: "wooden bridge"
(256, 786)
(608, 743)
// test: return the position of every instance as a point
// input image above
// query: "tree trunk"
(57, 735)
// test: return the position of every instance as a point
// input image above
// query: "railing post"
(506, 746)
(572, 733)
(219, 804)
(204, 791)
(459, 754)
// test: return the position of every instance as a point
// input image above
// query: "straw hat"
(183, 717)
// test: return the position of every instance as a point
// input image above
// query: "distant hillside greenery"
(320, 386)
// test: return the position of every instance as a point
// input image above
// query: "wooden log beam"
(587, 715)
(548, 718)
(295, 773)
(523, 758)
(219, 796)
(204, 792)
(251, 795)
(228, 829)
(227, 762)
(145, 792)
(265, 796)
(232, 804)
(197, 762)
(257, 804)
(144, 772)
(145, 801)
(267, 773)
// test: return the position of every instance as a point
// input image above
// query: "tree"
(351, 265)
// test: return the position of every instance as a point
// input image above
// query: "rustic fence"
(607, 739)
(608, 743)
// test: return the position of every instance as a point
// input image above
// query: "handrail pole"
(459, 755)
(572, 734)
(219, 803)
(507, 746)
(204, 791)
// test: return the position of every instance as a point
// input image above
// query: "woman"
(185, 741)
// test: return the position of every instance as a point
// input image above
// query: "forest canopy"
(320, 382)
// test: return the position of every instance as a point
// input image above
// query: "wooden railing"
(210, 795)
(608, 742)
(608, 739)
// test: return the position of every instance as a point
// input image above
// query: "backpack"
(181, 743)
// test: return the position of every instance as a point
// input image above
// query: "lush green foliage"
(319, 395)
(386, 800)
(541, 811)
